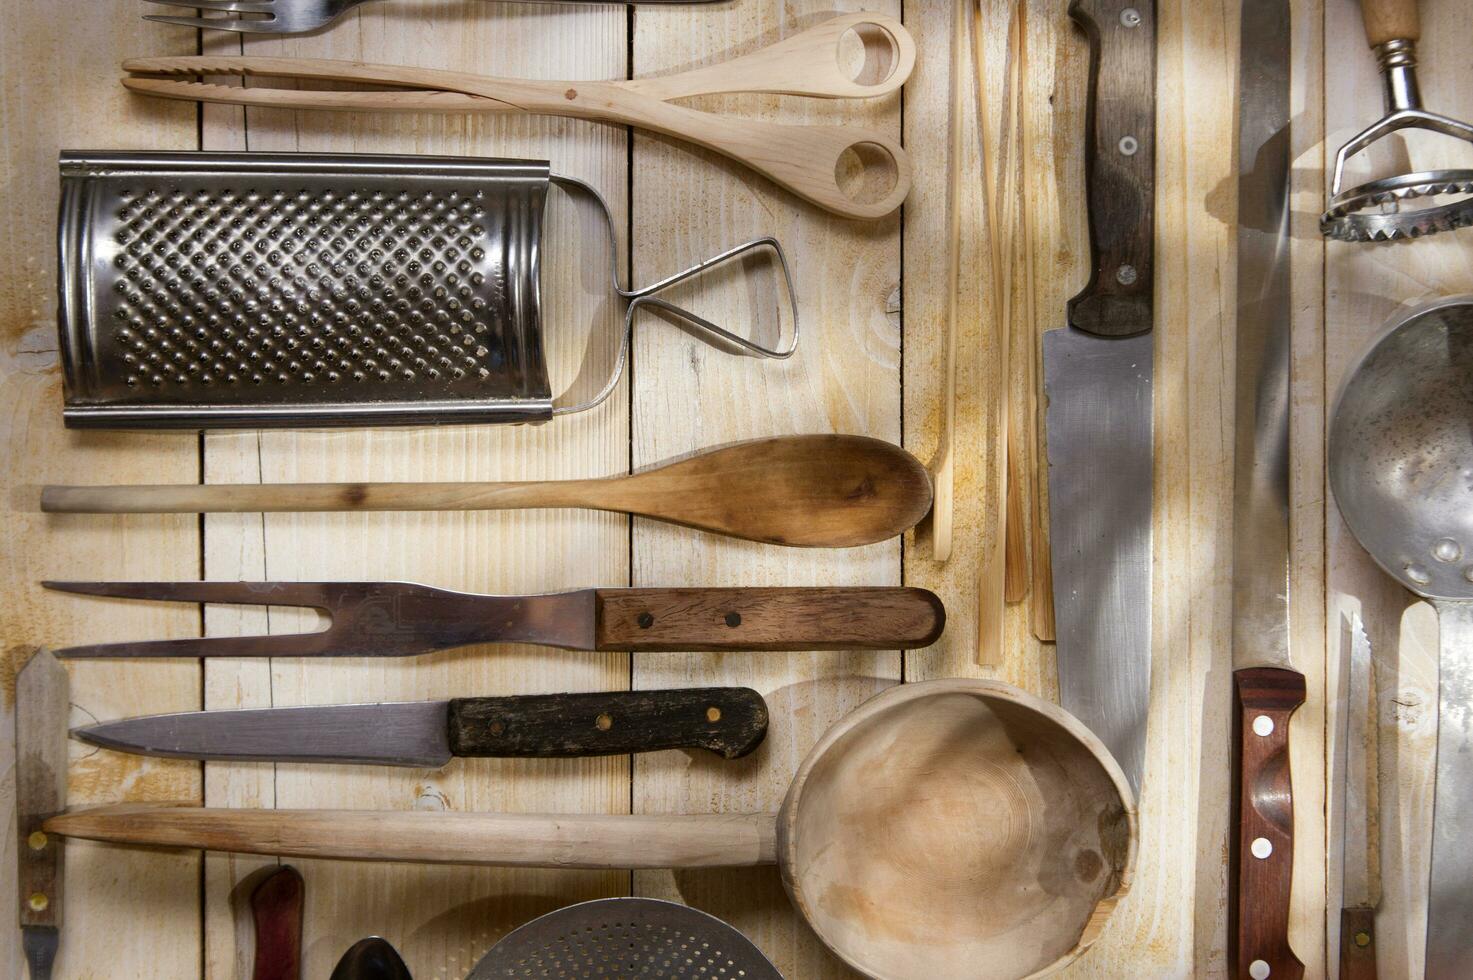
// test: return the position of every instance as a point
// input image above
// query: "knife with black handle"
(729, 721)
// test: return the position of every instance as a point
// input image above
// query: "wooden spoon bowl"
(958, 828)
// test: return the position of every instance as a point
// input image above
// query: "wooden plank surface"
(870, 361)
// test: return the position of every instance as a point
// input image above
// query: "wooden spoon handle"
(1390, 20)
(501, 839)
(252, 498)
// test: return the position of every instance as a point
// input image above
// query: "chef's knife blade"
(1097, 379)
(1267, 689)
(427, 734)
(40, 792)
(1360, 885)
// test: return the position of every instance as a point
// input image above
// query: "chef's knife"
(40, 793)
(730, 721)
(1267, 688)
(1361, 886)
(1097, 377)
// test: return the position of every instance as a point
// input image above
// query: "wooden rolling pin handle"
(1358, 944)
(1390, 20)
(1263, 833)
(767, 619)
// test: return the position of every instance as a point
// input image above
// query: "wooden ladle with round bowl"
(945, 829)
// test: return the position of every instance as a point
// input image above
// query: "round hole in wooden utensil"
(957, 829)
(868, 54)
(866, 173)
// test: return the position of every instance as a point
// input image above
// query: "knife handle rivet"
(1261, 847)
(38, 902)
(1125, 275)
(713, 713)
(1128, 146)
(733, 619)
(1259, 970)
(37, 840)
(1363, 939)
(604, 721)
(496, 727)
(1263, 726)
(1130, 17)
(645, 620)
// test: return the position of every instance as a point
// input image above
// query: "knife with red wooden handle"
(1267, 689)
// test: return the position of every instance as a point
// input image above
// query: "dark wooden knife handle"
(1120, 166)
(767, 619)
(276, 909)
(1358, 944)
(1263, 818)
(730, 721)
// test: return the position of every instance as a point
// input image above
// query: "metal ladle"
(1401, 469)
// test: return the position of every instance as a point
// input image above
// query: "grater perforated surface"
(626, 937)
(319, 289)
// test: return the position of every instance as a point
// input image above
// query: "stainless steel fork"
(293, 16)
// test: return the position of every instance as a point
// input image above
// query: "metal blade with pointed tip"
(1097, 379)
(1360, 883)
(730, 721)
(40, 792)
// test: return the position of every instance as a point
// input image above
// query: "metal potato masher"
(210, 290)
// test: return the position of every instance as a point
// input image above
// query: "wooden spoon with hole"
(813, 491)
(949, 829)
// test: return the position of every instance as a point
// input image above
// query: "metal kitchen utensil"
(805, 159)
(1360, 883)
(371, 959)
(41, 708)
(292, 289)
(296, 16)
(1400, 451)
(400, 619)
(624, 938)
(276, 912)
(1097, 378)
(1266, 688)
(1406, 205)
(817, 491)
(730, 721)
(948, 829)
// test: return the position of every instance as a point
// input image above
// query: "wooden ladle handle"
(808, 63)
(1390, 20)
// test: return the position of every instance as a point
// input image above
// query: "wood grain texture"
(276, 912)
(1262, 861)
(750, 618)
(1358, 944)
(729, 721)
(1388, 20)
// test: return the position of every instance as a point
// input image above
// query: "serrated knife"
(40, 793)
(1267, 688)
(1097, 378)
(730, 721)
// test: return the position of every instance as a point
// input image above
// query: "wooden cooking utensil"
(276, 911)
(948, 829)
(814, 491)
(805, 159)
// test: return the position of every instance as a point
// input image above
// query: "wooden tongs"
(805, 159)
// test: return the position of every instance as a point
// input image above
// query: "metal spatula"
(625, 937)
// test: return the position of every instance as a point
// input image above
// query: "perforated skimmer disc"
(626, 937)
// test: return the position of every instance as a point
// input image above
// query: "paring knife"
(40, 793)
(1361, 884)
(276, 912)
(730, 721)
(1267, 688)
(1097, 378)
(398, 619)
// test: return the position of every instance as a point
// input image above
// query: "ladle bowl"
(1401, 469)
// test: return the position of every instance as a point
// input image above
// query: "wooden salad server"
(813, 491)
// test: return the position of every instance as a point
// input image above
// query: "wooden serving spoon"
(813, 491)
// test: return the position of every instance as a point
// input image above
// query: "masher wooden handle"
(572, 840)
(1390, 20)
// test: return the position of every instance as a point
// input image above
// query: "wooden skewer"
(1016, 577)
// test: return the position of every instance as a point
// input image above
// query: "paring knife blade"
(1097, 379)
(1267, 689)
(730, 721)
(40, 793)
(1360, 882)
